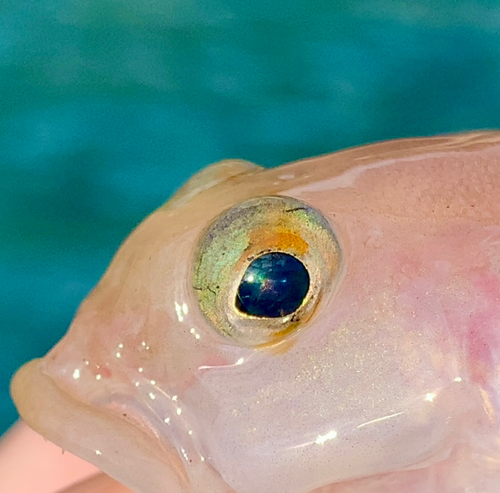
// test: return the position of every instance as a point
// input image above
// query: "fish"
(331, 325)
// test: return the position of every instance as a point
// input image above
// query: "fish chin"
(117, 447)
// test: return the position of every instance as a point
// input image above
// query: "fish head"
(329, 325)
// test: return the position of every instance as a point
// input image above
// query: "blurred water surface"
(106, 107)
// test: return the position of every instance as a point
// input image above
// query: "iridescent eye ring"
(262, 267)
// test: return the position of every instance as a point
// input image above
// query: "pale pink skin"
(393, 385)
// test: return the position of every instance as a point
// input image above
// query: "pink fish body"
(377, 371)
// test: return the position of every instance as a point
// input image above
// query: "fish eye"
(262, 267)
(274, 285)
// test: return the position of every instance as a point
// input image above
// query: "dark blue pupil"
(274, 285)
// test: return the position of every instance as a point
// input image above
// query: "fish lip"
(85, 431)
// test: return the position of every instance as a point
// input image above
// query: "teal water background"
(106, 107)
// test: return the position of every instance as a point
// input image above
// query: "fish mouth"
(117, 447)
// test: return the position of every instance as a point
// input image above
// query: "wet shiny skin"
(391, 385)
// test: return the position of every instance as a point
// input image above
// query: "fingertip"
(31, 464)
(99, 483)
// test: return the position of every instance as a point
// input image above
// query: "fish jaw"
(123, 448)
(115, 446)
